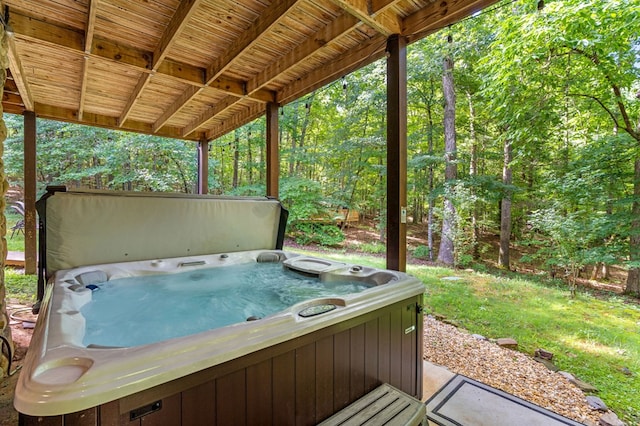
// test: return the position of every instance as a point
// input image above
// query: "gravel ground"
(505, 369)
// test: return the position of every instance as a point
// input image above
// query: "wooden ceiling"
(196, 69)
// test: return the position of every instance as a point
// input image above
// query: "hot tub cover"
(84, 228)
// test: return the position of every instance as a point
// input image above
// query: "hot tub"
(298, 365)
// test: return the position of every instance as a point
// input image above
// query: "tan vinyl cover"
(94, 228)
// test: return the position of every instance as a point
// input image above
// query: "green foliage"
(327, 235)
(310, 218)
(421, 252)
(92, 157)
(303, 198)
(372, 248)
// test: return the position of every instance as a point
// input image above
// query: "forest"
(523, 124)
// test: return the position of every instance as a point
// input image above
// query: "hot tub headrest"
(87, 228)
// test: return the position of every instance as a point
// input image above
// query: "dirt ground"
(21, 338)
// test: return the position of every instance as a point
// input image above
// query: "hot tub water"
(145, 309)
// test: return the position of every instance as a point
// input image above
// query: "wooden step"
(385, 405)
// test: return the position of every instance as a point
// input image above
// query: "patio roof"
(196, 69)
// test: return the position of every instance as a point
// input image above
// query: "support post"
(30, 254)
(203, 166)
(397, 153)
(272, 151)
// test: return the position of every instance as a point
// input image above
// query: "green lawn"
(17, 242)
(592, 336)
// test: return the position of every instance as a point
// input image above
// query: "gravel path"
(505, 369)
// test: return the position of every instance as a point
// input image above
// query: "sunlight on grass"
(590, 346)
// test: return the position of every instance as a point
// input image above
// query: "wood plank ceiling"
(196, 69)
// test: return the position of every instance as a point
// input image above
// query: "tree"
(446, 253)
(505, 208)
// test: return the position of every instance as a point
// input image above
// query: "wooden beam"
(13, 108)
(15, 65)
(240, 119)
(397, 153)
(366, 53)
(11, 98)
(73, 41)
(337, 28)
(273, 151)
(143, 82)
(30, 247)
(88, 42)
(90, 28)
(91, 119)
(268, 19)
(185, 97)
(438, 15)
(229, 86)
(172, 31)
(208, 114)
(384, 22)
(178, 22)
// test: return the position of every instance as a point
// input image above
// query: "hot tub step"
(385, 405)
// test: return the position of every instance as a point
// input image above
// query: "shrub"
(327, 235)
(421, 252)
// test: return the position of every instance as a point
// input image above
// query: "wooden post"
(30, 255)
(397, 153)
(273, 157)
(203, 166)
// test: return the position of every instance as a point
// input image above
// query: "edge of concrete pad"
(434, 377)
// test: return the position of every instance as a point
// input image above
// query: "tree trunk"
(236, 157)
(249, 158)
(430, 223)
(446, 254)
(633, 278)
(473, 172)
(505, 208)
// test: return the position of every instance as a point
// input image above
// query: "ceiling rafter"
(28, 28)
(208, 114)
(366, 53)
(172, 32)
(342, 25)
(335, 29)
(267, 20)
(381, 21)
(271, 16)
(248, 115)
(98, 120)
(88, 41)
(438, 15)
(428, 20)
(15, 65)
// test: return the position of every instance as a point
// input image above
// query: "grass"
(20, 286)
(17, 242)
(593, 336)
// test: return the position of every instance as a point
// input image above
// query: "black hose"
(5, 341)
